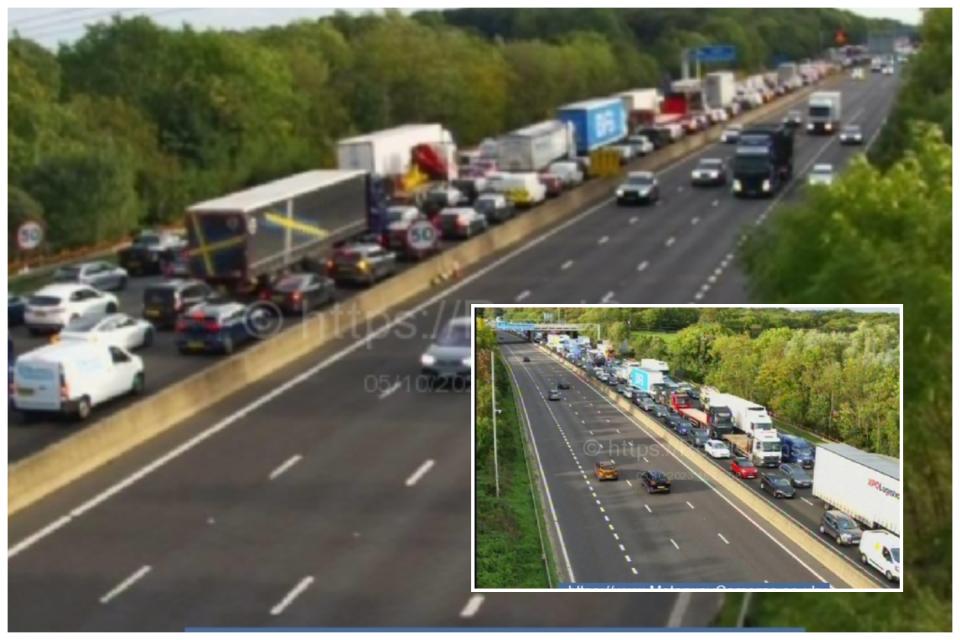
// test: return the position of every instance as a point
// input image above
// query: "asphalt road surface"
(690, 535)
(336, 492)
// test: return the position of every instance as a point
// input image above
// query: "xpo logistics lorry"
(647, 373)
(758, 438)
(865, 486)
(596, 123)
(824, 112)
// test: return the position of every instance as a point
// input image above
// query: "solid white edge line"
(285, 466)
(419, 473)
(472, 606)
(679, 609)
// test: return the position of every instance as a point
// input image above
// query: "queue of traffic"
(859, 490)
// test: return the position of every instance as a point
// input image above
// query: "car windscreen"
(454, 335)
(640, 181)
(820, 112)
(746, 464)
(83, 323)
(752, 164)
(67, 273)
(780, 482)
(158, 297)
(845, 523)
(292, 283)
(43, 301)
(147, 240)
(896, 554)
(710, 163)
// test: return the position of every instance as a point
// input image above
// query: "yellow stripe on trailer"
(295, 225)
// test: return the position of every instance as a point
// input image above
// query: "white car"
(881, 550)
(102, 275)
(731, 135)
(641, 144)
(716, 449)
(116, 329)
(887, 70)
(74, 377)
(55, 305)
(626, 151)
(821, 174)
(568, 171)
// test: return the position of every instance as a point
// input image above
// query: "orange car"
(606, 471)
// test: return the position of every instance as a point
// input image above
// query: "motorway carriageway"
(690, 535)
(225, 541)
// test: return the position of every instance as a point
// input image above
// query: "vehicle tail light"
(64, 387)
(264, 295)
(330, 265)
(363, 265)
(296, 296)
(178, 305)
(181, 325)
(212, 325)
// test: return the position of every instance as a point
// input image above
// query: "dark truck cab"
(763, 161)
(149, 251)
(720, 420)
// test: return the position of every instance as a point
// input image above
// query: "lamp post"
(493, 403)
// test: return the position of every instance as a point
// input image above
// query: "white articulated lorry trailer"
(719, 89)
(533, 148)
(865, 486)
(760, 441)
(389, 152)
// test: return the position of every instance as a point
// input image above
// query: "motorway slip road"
(410, 563)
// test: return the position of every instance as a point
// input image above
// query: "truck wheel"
(839, 541)
(863, 558)
(822, 530)
(888, 575)
(83, 408)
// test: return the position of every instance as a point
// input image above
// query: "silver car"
(98, 274)
(449, 357)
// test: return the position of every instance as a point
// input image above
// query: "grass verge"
(509, 551)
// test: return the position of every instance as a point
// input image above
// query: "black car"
(655, 481)
(674, 421)
(553, 395)
(697, 437)
(526, 358)
(776, 485)
(563, 385)
(164, 302)
(797, 475)
(300, 292)
(661, 412)
(641, 187)
(793, 119)
(16, 305)
(495, 206)
(840, 527)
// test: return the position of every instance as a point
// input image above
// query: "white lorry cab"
(881, 550)
(73, 377)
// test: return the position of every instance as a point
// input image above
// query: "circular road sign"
(29, 235)
(421, 235)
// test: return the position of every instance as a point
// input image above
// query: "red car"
(553, 184)
(743, 468)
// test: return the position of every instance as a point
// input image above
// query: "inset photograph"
(684, 447)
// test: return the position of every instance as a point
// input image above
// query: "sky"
(52, 26)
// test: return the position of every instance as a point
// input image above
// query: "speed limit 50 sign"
(29, 236)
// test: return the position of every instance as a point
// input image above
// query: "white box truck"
(719, 89)
(824, 112)
(389, 152)
(533, 148)
(865, 486)
(759, 440)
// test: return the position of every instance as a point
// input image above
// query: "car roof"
(711, 160)
(359, 247)
(60, 351)
(61, 288)
(640, 174)
(457, 211)
(823, 167)
(176, 283)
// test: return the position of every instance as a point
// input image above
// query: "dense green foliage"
(133, 121)
(508, 551)
(884, 234)
(834, 373)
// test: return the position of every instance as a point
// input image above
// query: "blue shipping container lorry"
(595, 122)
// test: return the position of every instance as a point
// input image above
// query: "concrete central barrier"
(59, 464)
(816, 547)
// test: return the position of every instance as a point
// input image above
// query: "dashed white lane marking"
(607, 518)
(126, 584)
(566, 265)
(695, 220)
(523, 295)
(647, 461)
(285, 466)
(389, 390)
(472, 606)
(616, 536)
(670, 241)
(674, 543)
(634, 569)
(608, 297)
(634, 220)
(611, 527)
(807, 501)
(419, 473)
(628, 484)
(290, 597)
(603, 240)
(689, 505)
(643, 265)
(724, 539)
(627, 558)
(622, 548)
(647, 507)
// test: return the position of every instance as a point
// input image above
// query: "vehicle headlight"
(828, 126)
(619, 193)
(467, 362)
(427, 360)
(737, 186)
(809, 126)
(845, 536)
(766, 185)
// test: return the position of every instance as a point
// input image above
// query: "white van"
(73, 377)
(523, 189)
(881, 550)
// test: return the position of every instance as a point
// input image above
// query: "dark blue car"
(218, 327)
(16, 305)
(797, 450)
